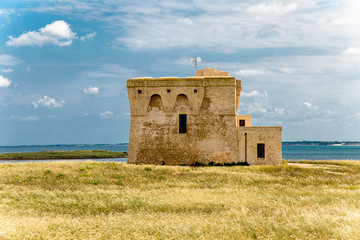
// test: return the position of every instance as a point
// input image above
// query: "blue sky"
(64, 63)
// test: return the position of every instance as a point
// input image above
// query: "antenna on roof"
(195, 61)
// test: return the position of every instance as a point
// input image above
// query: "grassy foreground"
(78, 154)
(105, 200)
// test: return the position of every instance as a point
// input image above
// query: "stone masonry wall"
(270, 136)
(211, 120)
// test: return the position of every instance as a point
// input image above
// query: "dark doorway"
(182, 123)
(261, 150)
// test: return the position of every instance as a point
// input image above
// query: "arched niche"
(155, 102)
(182, 104)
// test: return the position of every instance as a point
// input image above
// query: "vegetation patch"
(107, 200)
(78, 154)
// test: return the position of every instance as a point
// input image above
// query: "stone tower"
(194, 120)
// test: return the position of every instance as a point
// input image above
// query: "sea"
(289, 152)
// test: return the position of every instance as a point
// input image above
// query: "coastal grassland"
(77, 154)
(106, 200)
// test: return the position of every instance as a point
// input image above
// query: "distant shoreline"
(285, 143)
(321, 143)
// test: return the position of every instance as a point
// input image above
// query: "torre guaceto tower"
(183, 121)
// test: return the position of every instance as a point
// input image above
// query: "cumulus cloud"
(58, 33)
(106, 114)
(8, 60)
(7, 70)
(4, 82)
(88, 36)
(91, 91)
(47, 101)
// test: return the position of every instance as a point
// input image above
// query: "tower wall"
(210, 105)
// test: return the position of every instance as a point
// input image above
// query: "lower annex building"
(184, 121)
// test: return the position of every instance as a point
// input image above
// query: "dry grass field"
(104, 200)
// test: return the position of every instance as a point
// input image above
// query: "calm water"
(321, 152)
(289, 152)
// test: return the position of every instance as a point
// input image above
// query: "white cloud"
(4, 82)
(7, 70)
(273, 9)
(88, 36)
(352, 51)
(254, 93)
(307, 104)
(91, 91)
(257, 108)
(219, 25)
(106, 114)
(310, 106)
(247, 26)
(285, 70)
(186, 21)
(249, 72)
(6, 12)
(279, 110)
(8, 60)
(47, 101)
(58, 33)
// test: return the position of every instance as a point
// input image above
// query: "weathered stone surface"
(270, 136)
(213, 133)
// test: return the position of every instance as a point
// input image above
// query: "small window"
(261, 150)
(139, 91)
(182, 123)
(168, 90)
(242, 123)
(195, 90)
